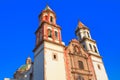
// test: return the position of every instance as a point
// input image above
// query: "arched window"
(99, 66)
(80, 64)
(88, 34)
(90, 46)
(95, 48)
(56, 34)
(49, 33)
(51, 19)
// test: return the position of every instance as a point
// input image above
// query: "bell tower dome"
(48, 15)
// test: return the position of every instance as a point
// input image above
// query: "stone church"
(53, 60)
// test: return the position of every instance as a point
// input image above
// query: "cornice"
(45, 22)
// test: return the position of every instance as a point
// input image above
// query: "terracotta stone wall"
(74, 52)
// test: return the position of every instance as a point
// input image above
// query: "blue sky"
(19, 20)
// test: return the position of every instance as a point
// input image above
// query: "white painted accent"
(45, 68)
(49, 27)
(45, 14)
(54, 69)
(100, 73)
(57, 41)
(63, 43)
(50, 38)
(55, 30)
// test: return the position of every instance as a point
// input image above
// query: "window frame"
(49, 33)
(90, 47)
(88, 34)
(51, 19)
(81, 65)
(56, 36)
(54, 56)
(95, 49)
(99, 67)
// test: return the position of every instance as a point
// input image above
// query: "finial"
(47, 8)
(80, 24)
(28, 60)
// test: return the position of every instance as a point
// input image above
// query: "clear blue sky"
(19, 20)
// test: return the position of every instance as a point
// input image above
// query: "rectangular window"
(54, 56)
(80, 64)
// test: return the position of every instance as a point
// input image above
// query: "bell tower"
(84, 37)
(48, 29)
(49, 48)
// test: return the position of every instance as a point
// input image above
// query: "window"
(83, 46)
(80, 64)
(54, 56)
(79, 35)
(51, 19)
(49, 33)
(95, 48)
(90, 46)
(99, 66)
(56, 34)
(88, 34)
(80, 78)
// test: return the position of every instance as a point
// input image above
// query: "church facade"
(53, 60)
